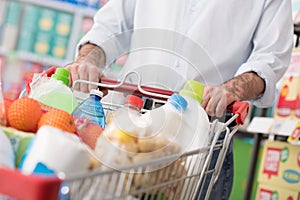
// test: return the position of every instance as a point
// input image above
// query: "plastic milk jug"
(195, 117)
(168, 120)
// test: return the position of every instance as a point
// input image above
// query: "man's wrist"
(247, 86)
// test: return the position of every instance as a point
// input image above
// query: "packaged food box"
(288, 105)
(47, 19)
(280, 165)
(271, 192)
(63, 24)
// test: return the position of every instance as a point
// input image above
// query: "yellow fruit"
(122, 136)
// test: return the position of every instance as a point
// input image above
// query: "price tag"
(260, 125)
(283, 127)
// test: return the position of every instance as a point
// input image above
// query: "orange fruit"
(4, 112)
(24, 114)
(90, 133)
(59, 119)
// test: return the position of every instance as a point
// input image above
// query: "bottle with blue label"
(92, 108)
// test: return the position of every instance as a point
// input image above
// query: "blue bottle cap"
(178, 102)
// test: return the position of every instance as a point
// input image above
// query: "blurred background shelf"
(35, 35)
(65, 6)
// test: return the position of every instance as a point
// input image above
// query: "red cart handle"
(133, 88)
(240, 108)
(28, 187)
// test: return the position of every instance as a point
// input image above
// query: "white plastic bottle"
(195, 117)
(166, 119)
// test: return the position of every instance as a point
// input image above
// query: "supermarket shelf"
(63, 6)
(46, 60)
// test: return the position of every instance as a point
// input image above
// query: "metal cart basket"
(181, 176)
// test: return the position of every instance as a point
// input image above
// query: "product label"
(15, 141)
(291, 176)
(299, 159)
(284, 154)
(272, 161)
(265, 194)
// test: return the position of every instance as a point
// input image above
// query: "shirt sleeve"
(272, 48)
(112, 29)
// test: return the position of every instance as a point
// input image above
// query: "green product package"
(47, 20)
(63, 24)
(59, 46)
(13, 13)
(26, 41)
(20, 141)
(43, 43)
(30, 18)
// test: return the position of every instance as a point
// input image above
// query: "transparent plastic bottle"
(55, 92)
(127, 118)
(118, 139)
(91, 108)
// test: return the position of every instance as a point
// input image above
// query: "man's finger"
(74, 76)
(206, 97)
(221, 107)
(94, 77)
(83, 75)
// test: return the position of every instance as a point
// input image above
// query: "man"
(238, 49)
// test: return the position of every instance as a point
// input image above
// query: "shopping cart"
(179, 176)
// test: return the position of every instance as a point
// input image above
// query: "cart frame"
(188, 173)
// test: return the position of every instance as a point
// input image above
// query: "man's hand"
(247, 86)
(87, 66)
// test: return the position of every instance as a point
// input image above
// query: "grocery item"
(7, 156)
(20, 141)
(91, 108)
(195, 119)
(59, 119)
(54, 92)
(167, 119)
(195, 124)
(42, 43)
(27, 33)
(280, 165)
(288, 105)
(59, 47)
(11, 28)
(89, 133)
(3, 108)
(58, 151)
(63, 24)
(133, 138)
(128, 118)
(24, 114)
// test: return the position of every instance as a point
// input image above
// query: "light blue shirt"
(172, 41)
